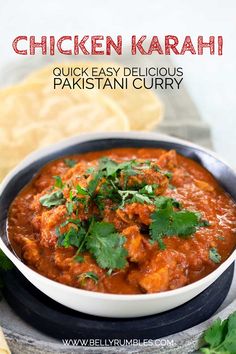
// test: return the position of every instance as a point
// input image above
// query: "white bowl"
(95, 303)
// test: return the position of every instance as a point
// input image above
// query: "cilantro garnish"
(89, 275)
(168, 222)
(58, 182)
(109, 182)
(5, 264)
(69, 207)
(220, 337)
(92, 186)
(161, 202)
(106, 245)
(130, 196)
(73, 237)
(70, 162)
(53, 199)
(214, 255)
(220, 237)
(79, 259)
(111, 167)
(81, 190)
(99, 238)
(168, 174)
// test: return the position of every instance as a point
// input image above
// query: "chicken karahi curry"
(123, 221)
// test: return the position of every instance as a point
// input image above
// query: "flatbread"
(4, 349)
(33, 115)
(143, 107)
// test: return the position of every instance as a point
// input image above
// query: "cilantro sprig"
(214, 255)
(70, 163)
(167, 221)
(98, 238)
(220, 337)
(53, 199)
(5, 265)
(109, 183)
(106, 245)
(58, 182)
(88, 275)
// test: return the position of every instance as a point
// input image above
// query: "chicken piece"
(64, 257)
(137, 213)
(168, 160)
(180, 177)
(197, 255)
(206, 187)
(50, 219)
(77, 171)
(78, 272)
(30, 251)
(166, 270)
(156, 281)
(134, 244)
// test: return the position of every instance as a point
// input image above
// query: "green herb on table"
(220, 337)
(5, 264)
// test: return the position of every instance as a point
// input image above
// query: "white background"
(209, 79)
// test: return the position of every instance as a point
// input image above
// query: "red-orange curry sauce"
(124, 221)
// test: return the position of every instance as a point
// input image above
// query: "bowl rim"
(86, 137)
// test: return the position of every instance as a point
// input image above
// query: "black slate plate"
(60, 322)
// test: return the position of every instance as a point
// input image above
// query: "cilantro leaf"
(184, 223)
(111, 167)
(81, 190)
(140, 198)
(92, 186)
(78, 258)
(215, 334)
(73, 237)
(89, 275)
(168, 174)
(161, 201)
(106, 245)
(5, 263)
(70, 162)
(168, 222)
(108, 165)
(90, 170)
(69, 207)
(220, 337)
(53, 199)
(214, 255)
(230, 338)
(58, 182)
